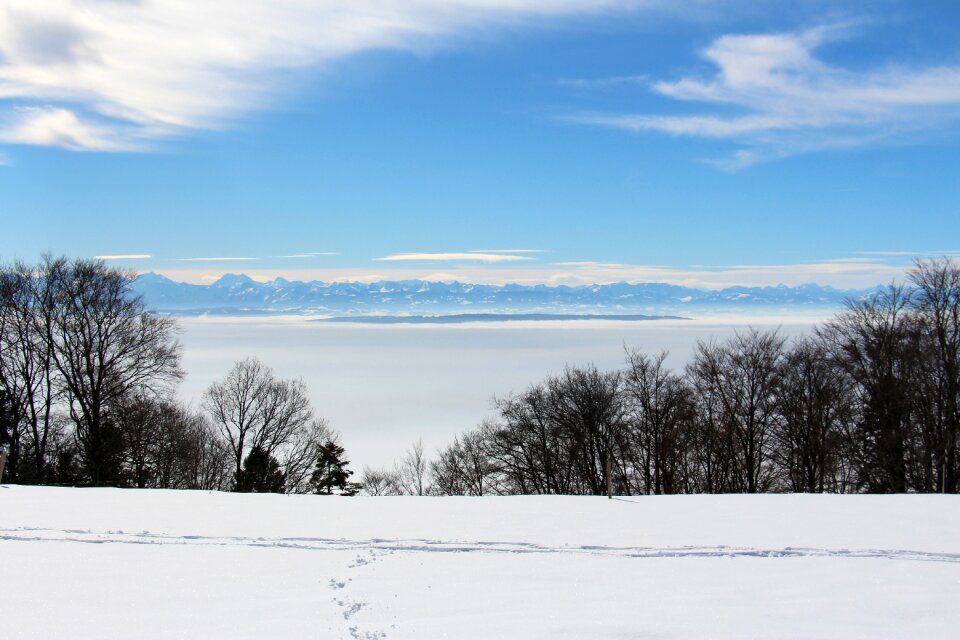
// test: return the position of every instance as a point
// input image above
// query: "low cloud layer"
(850, 272)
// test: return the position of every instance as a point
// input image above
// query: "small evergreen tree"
(68, 470)
(331, 472)
(261, 474)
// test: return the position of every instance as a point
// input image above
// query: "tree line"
(87, 397)
(867, 402)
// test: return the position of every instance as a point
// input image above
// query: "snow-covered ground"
(107, 563)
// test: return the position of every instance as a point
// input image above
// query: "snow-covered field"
(108, 563)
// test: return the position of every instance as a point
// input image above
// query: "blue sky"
(484, 140)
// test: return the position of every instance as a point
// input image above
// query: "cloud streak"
(217, 259)
(127, 256)
(58, 127)
(101, 75)
(453, 257)
(950, 253)
(774, 97)
(508, 251)
(314, 254)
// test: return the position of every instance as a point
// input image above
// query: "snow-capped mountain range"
(241, 295)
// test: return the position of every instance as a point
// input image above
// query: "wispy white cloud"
(887, 253)
(126, 256)
(453, 257)
(55, 126)
(591, 264)
(912, 254)
(103, 75)
(216, 259)
(314, 254)
(786, 100)
(509, 251)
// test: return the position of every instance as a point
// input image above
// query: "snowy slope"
(108, 563)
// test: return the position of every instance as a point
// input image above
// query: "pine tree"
(331, 472)
(261, 474)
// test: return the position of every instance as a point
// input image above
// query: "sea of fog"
(384, 386)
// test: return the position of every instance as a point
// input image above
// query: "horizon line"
(382, 280)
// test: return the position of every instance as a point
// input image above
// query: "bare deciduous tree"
(588, 406)
(26, 370)
(660, 414)
(412, 470)
(742, 377)
(816, 406)
(937, 304)
(252, 408)
(872, 343)
(465, 467)
(380, 482)
(531, 450)
(105, 344)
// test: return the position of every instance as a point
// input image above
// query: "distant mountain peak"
(153, 278)
(234, 279)
(236, 294)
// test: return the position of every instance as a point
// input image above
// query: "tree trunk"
(609, 470)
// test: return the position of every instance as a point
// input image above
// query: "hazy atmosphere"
(480, 319)
(384, 387)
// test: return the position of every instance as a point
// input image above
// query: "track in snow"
(31, 534)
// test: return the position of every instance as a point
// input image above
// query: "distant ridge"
(238, 294)
(462, 318)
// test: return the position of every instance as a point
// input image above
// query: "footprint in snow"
(350, 609)
(360, 561)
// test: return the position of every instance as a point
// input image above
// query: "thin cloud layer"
(946, 253)
(453, 257)
(217, 259)
(127, 256)
(785, 100)
(102, 75)
(508, 251)
(841, 273)
(314, 254)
